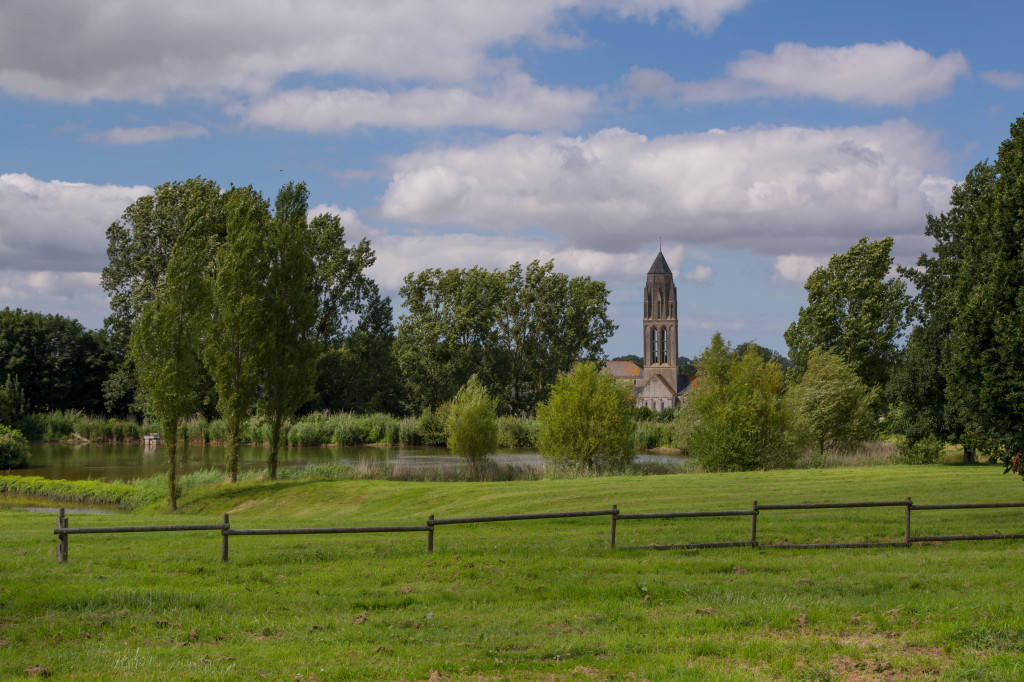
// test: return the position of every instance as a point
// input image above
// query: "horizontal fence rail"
(63, 531)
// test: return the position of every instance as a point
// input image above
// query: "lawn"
(536, 600)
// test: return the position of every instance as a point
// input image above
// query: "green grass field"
(537, 600)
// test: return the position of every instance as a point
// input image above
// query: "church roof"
(660, 266)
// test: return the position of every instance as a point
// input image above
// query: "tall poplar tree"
(165, 340)
(235, 334)
(290, 349)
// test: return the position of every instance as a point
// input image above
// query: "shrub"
(926, 450)
(430, 425)
(472, 426)
(743, 421)
(13, 448)
(587, 420)
(517, 432)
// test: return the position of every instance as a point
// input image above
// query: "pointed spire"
(660, 266)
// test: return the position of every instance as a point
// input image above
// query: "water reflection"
(125, 462)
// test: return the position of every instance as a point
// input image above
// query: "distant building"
(658, 385)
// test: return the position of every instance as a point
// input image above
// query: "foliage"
(58, 364)
(289, 352)
(517, 432)
(517, 329)
(980, 253)
(166, 336)
(13, 448)
(587, 420)
(139, 249)
(854, 311)
(12, 401)
(744, 422)
(834, 405)
(471, 426)
(235, 333)
(927, 450)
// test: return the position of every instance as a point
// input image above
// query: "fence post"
(430, 533)
(906, 524)
(615, 514)
(224, 540)
(753, 526)
(62, 544)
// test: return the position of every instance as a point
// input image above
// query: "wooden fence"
(63, 530)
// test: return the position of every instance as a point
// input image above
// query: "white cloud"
(517, 103)
(146, 134)
(771, 190)
(700, 274)
(797, 268)
(867, 73)
(1007, 80)
(116, 50)
(58, 226)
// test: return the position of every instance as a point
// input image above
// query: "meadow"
(537, 600)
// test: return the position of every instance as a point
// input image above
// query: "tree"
(139, 248)
(834, 404)
(472, 425)
(587, 420)
(166, 341)
(234, 338)
(854, 311)
(984, 350)
(362, 374)
(58, 363)
(737, 419)
(517, 329)
(290, 349)
(14, 452)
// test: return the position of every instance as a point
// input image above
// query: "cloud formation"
(57, 226)
(700, 274)
(147, 134)
(876, 74)
(1007, 80)
(516, 104)
(112, 50)
(773, 191)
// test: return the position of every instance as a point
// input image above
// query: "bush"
(652, 434)
(13, 448)
(743, 422)
(926, 450)
(587, 420)
(430, 425)
(517, 432)
(472, 425)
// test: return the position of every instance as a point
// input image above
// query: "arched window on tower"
(654, 347)
(664, 346)
(659, 304)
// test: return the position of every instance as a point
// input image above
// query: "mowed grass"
(537, 600)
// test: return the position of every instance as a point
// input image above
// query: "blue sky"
(753, 137)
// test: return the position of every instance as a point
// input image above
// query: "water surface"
(125, 462)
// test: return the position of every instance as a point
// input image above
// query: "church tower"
(661, 326)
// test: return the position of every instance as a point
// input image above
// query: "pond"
(126, 462)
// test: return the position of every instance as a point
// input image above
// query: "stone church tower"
(661, 326)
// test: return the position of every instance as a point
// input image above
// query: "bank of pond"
(316, 429)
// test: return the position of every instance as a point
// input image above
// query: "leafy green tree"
(517, 329)
(737, 419)
(12, 401)
(290, 348)
(834, 404)
(587, 420)
(59, 364)
(139, 248)
(984, 373)
(362, 374)
(166, 341)
(14, 452)
(234, 338)
(855, 310)
(472, 424)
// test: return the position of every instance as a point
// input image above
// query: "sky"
(751, 139)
